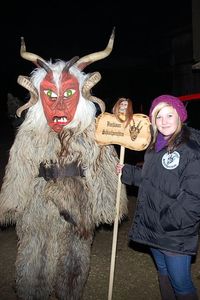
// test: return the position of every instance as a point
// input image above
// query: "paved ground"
(134, 276)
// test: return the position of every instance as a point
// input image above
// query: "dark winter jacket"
(168, 209)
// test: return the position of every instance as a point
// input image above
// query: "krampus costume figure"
(59, 183)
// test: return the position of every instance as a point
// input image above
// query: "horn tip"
(18, 112)
(113, 30)
(22, 40)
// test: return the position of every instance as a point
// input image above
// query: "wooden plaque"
(136, 135)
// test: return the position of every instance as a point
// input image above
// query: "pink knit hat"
(174, 102)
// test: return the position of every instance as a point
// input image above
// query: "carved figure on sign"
(123, 110)
(134, 130)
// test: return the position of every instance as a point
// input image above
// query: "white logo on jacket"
(170, 161)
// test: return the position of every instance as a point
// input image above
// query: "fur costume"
(59, 183)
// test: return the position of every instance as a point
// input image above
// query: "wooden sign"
(135, 135)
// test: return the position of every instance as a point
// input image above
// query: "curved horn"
(88, 84)
(27, 55)
(43, 65)
(196, 66)
(70, 63)
(26, 83)
(90, 58)
(36, 59)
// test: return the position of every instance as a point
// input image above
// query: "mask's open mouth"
(60, 120)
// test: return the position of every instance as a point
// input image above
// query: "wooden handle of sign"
(115, 231)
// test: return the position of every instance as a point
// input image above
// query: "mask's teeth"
(60, 120)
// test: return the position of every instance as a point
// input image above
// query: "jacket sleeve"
(131, 175)
(185, 211)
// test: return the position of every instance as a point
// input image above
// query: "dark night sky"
(63, 29)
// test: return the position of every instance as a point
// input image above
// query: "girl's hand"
(119, 168)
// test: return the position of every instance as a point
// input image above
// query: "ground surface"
(134, 277)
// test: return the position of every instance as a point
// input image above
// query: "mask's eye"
(50, 94)
(68, 93)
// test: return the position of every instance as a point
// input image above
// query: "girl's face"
(167, 121)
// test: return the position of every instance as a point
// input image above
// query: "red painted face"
(59, 103)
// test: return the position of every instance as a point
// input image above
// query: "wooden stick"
(115, 231)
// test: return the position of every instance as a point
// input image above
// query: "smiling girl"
(167, 217)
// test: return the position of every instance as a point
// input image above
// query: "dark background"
(156, 44)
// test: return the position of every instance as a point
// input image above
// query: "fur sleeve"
(17, 183)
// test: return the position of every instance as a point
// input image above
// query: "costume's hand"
(119, 168)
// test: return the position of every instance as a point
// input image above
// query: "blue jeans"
(177, 267)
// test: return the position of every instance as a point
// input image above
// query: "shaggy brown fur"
(58, 186)
(55, 219)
